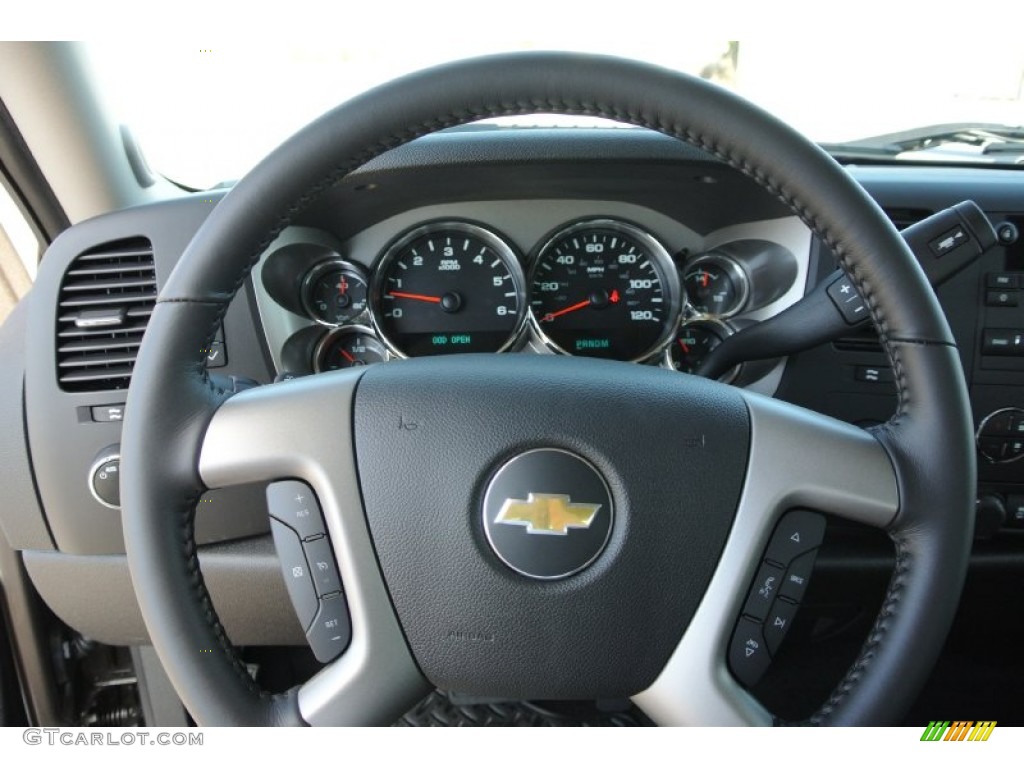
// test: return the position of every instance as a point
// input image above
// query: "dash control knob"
(105, 478)
(1000, 435)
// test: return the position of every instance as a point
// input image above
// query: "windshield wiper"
(971, 140)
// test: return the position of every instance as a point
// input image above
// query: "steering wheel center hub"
(548, 513)
(527, 508)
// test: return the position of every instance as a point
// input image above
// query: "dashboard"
(610, 243)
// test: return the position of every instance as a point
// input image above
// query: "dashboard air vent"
(106, 298)
(864, 339)
(905, 217)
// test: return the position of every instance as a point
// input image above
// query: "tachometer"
(448, 287)
(604, 288)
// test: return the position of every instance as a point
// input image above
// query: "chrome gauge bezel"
(663, 260)
(317, 271)
(738, 275)
(343, 330)
(727, 329)
(501, 246)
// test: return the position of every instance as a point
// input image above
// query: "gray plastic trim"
(22, 522)
(286, 430)
(798, 458)
(94, 594)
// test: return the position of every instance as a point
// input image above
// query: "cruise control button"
(799, 574)
(295, 571)
(797, 532)
(777, 624)
(763, 592)
(321, 565)
(748, 653)
(294, 504)
(331, 631)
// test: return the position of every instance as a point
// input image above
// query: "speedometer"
(604, 288)
(448, 287)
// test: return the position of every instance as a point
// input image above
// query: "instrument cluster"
(597, 287)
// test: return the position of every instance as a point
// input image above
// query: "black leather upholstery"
(171, 398)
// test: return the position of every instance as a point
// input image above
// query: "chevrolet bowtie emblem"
(547, 513)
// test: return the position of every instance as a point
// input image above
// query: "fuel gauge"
(348, 347)
(694, 341)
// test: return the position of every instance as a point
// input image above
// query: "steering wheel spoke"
(303, 429)
(797, 460)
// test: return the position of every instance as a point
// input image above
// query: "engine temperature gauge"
(715, 286)
(334, 292)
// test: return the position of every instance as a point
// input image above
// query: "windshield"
(207, 115)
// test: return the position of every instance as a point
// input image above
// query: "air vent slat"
(96, 345)
(106, 299)
(82, 380)
(126, 254)
(71, 332)
(139, 312)
(87, 361)
(112, 285)
(109, 269)
(112, 299)
(905, 217)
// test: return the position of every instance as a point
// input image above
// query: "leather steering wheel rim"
(172, 400)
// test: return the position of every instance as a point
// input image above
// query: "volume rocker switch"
(748, 653)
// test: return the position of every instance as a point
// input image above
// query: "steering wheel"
(431, 599)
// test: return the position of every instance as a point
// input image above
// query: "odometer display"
(604, 288)
(445, 288)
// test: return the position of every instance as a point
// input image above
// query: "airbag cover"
(672, 449)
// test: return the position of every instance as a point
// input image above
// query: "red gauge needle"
(704, 279)
(552, 315)
(347, 356)
(342, 286)
(416, 296)
(686, 349)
